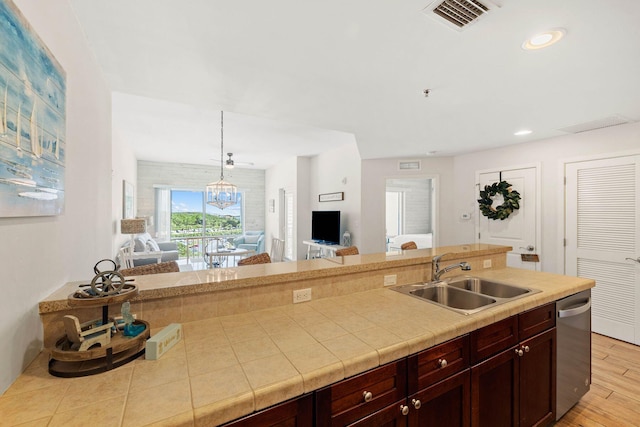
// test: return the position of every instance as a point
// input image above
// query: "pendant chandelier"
(221, 194)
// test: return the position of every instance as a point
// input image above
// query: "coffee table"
(221, 256)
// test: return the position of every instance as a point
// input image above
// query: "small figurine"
(130, 329)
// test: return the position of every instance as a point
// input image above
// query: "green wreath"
(511, 200)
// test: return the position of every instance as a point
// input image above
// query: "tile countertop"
(230, 366)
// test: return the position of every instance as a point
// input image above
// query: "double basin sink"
(465, 294)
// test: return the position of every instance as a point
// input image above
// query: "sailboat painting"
(32, 121)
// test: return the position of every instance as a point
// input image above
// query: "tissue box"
(161, 342)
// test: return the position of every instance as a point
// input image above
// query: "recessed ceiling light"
(522, 132)
(431, 153)
(545, 39)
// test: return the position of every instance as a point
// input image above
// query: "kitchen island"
(247, 347)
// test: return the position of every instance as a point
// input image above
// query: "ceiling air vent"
(409, 165)
(596, 124)
(458, 14)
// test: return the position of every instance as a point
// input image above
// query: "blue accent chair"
(251, 240)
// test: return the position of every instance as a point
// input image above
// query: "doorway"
(410, 211)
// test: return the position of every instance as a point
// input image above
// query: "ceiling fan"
(230, 163)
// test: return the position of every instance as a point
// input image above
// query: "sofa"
(145, 243)
(250, 240)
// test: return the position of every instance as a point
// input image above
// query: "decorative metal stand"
(107, 287)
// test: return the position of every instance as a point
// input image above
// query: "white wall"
(337, 170)
(551, 153)
(40, 254)
(303, 206)
(277, 177)
(307, 177)
(374, 177)
(125, 167)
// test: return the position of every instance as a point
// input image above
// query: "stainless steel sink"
(452, 297)
(487, 287)
(465, 294)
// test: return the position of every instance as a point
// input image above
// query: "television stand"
(321, 250)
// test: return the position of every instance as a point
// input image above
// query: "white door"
(603, 240)
(521, 229)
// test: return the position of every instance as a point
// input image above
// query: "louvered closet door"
(602, 220)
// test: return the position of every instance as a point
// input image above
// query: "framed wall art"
(32, 121)
(331, 197)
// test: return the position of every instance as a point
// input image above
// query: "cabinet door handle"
(368, 396)
(519, 352)
(442, 363)
(526, 348)
(404, 409)
(416, 403)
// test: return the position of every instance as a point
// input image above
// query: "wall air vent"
(596, 124)
(458, 14)
(409, 165)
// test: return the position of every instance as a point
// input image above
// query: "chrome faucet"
(437, 272)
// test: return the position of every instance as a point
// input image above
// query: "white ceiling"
(296, 77)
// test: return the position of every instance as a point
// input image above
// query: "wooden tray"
(121, 350)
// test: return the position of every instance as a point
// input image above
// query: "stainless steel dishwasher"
(573, 372)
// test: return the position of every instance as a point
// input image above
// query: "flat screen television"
(325, 226)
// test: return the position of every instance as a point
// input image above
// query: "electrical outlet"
(390, 279)
(301, 295)
(486, 263)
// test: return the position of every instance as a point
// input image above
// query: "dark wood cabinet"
(500, 375)
(446, 403)
(394, 415)
(516, 386)
(538, 380)
(494, 338)
(494, 391)
(293, 413)
(359, 397)
(439, 385)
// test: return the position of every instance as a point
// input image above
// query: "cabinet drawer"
(391, 416)
(534, 321)
(354, 398)
(493, 338)
(297, 412)
(436, 363)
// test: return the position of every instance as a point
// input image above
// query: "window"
(191, 217)
(189, 220)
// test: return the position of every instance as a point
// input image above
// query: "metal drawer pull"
(368, 396)
(404, 409)
(519, 352)
(526, 349)
(416, 403)
(442, 363)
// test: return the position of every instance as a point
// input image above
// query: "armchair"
(252, 240)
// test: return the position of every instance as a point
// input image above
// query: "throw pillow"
(251, 239)
(140, 245)
(141, 242)
(152, 245)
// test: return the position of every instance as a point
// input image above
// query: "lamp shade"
(133, 226)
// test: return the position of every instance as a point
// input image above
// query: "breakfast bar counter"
(237, 359)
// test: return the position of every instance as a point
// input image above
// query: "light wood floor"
(614, 398)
